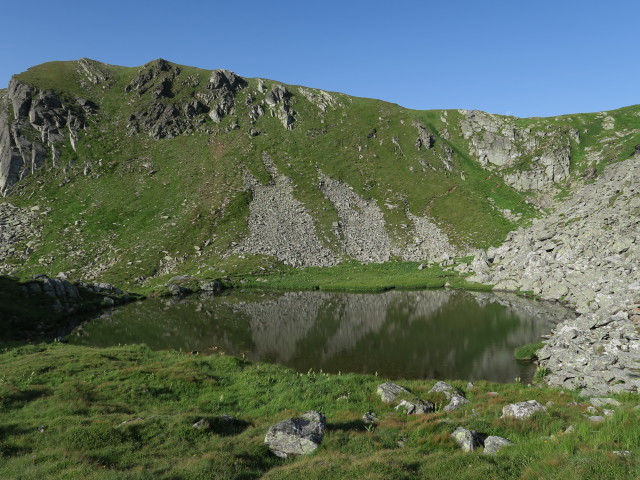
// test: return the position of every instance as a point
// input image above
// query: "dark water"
(428, 334)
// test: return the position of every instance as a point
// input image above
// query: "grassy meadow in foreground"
(69, 412)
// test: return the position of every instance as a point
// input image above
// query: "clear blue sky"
(526, 58)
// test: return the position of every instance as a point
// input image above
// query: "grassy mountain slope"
(122, 205)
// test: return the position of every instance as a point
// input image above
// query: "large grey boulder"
(296, 436)
(522, 410)
(389, 391)
(492, 444)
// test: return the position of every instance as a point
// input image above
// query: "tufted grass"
(83, 395)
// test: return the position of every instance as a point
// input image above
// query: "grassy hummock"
(528, 352)
(127, 413)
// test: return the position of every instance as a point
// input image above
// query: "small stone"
(369, 418)
(601, 402)
(492, 444)
(622, 453)
(202, 424)
(456, 402)
(607, 412)
(570, 429)
(417, 407)
(596, 418)
(468, 440)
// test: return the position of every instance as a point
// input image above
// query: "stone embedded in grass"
(417, 407)
(202, 424)
(622, 453)
(389, 391)
(493, 443)
(296, 436)
(369, 417)
(456, 399)
(468, 440)
(522, 410)
(601, 402)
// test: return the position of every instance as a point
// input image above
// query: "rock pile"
(280, 225)
(586, 253)
(18, 234)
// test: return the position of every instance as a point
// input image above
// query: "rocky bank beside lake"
(586, 254)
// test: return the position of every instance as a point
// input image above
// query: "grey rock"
(493, 444)
(202, 424)
(214, 286)
(468, 440)
(369, 418)
(296, 436)
(603, 402)
(415, 407)
(596, 418)
(622, 453)
(455, 401)
(389, 391)
(522, 410)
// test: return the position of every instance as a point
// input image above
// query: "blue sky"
(523, 58)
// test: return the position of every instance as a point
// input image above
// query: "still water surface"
(428, 334)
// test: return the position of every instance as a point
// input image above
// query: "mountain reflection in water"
(423, 334)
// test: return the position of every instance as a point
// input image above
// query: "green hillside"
(123, 205)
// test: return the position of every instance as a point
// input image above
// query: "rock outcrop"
(522, 410)
(543, 155)
(41, 123)
(166, 118)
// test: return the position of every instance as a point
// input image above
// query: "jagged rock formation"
(279, 101)
(163, 118)
(41, 123)
(498, 144)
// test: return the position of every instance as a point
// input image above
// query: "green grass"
(373, 277)
(528, 352)
(145, 200)
(197, 180)
(126, 413)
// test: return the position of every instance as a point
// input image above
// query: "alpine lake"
(431, 334)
